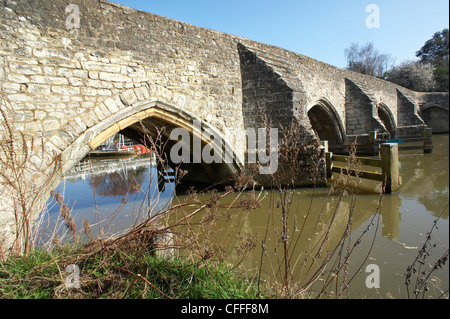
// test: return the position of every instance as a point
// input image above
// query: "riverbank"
(76, 273)
(277, 236)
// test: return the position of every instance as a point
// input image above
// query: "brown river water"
(252, 240)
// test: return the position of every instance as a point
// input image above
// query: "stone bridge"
(71, 76)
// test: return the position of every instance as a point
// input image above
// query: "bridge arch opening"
(156, 120)
(325, 123)
(141, 123)
(436, 117)
(386, 117)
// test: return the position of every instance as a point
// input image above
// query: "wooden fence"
(424, 143)
(371, 143)
(388, 162)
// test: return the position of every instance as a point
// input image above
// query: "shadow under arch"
(326, 122)
(387, 118)
(435, 116)
(143, 119)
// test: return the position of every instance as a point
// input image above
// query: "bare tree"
(367, 60)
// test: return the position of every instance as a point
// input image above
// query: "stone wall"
(62, 81)
(69, 87)
(265, 94)
(434, 109)
(359, 110)
(315, 82)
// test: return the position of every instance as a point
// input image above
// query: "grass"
(41, 275)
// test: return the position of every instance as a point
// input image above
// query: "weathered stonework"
(433, 109)
(69, 88)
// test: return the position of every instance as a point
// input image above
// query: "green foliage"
(435, 50)
(194, 281)
(41, 275)
(431, 73)
(24, 277)
(441, 78)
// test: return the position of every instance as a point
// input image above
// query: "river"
(313, 225)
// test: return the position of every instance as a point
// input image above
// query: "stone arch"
(435, 116)
(149, 114)
(387, 118)
(80, 135)
(326, 122)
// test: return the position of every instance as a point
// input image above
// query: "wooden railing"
(424, 143)
(388, 162)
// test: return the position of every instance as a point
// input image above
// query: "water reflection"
(110, 194)
(426, 177)
(318, 220)
(127, 191)
(120, 183)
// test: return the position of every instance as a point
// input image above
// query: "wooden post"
(324, 144)
(372, 137)
(329, 164)
(428, 144)
(372, 141)
(389, 167)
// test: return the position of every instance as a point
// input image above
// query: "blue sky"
(320, 29)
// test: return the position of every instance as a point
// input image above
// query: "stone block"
(25, 69)
(98, 84)
(49, 80)
(23, 116)
(99, 113)
(104, 110)
(83, 74)
(128, 97)
(66, 90)
(45, 53)
(101, 66)
(75, 81)
(33, 126)
(104, 92)
(38, 89)
(19, 97)
(17, 78)
(88, 119)
(88, 91)
(142, 93)
(58, 142)
(80, 123)
(11, 87)
(111, 105)
(113, 77)
(93, 75)
(51, 125)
